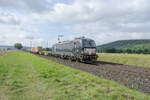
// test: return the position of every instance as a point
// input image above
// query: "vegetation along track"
(131, 76)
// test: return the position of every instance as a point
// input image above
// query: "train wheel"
(72, 59)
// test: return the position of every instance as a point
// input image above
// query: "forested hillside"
(126, 46)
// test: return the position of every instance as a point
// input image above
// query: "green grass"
(24, 76)
(140, 60)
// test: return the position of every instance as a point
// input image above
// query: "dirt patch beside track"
(3, 52)
(130, 76)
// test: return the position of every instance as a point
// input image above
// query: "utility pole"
(31, 44)
(59, 36)
(47, 44)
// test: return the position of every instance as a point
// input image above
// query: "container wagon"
(37, 50)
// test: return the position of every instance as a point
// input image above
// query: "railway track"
(130, 76)
(135, 70)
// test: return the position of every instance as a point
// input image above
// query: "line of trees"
(134, 51)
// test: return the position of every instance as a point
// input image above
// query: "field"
(24, 76)
(140, 60)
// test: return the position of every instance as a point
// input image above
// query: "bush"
(18, 46)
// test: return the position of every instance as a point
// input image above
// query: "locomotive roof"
(82, 38)
(63, 42)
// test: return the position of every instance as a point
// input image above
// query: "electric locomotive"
(81, 49)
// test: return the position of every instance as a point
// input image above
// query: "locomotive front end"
(89, 50)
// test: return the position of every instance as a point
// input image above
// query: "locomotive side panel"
(63, 49)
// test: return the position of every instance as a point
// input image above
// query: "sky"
(41, 21)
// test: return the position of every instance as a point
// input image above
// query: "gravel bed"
(131, 76)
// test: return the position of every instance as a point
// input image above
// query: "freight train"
(80, 49)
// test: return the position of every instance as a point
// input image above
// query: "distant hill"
(141, 44)
(2, 47)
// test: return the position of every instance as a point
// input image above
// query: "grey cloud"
(8, 3)
(28, 5)
(127, 20)
(7, 18)
(29, 30)
(108, 20)
(118, 16)
(36, 5)
(29, 37)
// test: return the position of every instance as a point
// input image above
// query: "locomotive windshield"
(89, 43)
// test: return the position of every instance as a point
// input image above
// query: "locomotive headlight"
(90, 51)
